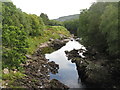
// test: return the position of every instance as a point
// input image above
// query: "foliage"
(89, 27)
(47, 50)
(12, 16)
(109, 27)
(12, 75)
(68, 18)
(50, 32)
(44, 18)
(50, 22)
(23, 32)
(37, 26)
(98, 27)
(99, 30)
(55, 23)
(72, 26)
(11, 78)
(14, 46)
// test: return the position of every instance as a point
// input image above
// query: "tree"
(37, 25)
(45, 18)
(109, 27)
(89, 27)
(72, 25)
(55, 23)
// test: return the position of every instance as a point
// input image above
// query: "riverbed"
(67, 72)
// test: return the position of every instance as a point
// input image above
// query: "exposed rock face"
(91, 69)
(57, 84)
(53, 67)
(57, 44)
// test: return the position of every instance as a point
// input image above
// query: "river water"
(67, 72)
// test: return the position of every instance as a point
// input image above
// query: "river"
(67, 72)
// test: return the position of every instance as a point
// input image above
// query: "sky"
(53, 8)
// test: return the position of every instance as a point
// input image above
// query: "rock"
(15, 70)
(28, 56)
(57, 44)
(72, 55)
(51, 39)
(92, 69)
(53, 67)
(61, 35)
(44, 45)
(66, 40)
(57, 84)
(77, 39)
(5, 71)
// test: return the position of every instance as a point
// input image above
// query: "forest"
(22, 33)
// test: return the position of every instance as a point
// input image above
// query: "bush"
(14, 46)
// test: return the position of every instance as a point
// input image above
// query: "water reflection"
(67, 70)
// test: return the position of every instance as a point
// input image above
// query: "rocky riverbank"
(37, 68)
(94, 69)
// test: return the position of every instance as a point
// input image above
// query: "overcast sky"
(53, 8)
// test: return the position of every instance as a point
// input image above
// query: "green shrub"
(14, 46)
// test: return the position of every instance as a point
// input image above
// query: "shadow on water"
(67, 72)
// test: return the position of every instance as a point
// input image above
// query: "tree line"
(17, 26)
(98, 27)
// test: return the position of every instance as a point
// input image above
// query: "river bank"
(37, 68)
(95, 70)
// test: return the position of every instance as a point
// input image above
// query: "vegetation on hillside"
(22, 33)
(68, 18)
(72, 26)
(99, 30)
(98, 27)
(47, 21)
(53, 32)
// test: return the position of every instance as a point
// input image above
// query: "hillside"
(22, 34)
(67, 18)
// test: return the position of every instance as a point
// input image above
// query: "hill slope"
(67, 18)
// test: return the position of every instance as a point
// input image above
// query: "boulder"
(57, 84)
(5, 71)
(28, 56)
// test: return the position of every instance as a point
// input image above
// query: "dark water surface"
(67, 72)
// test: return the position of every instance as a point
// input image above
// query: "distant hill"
(67, 18)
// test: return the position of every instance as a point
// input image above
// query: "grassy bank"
(54, 32)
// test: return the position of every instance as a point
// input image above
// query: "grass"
(50, 32)
(11, 77)
(47, 50)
